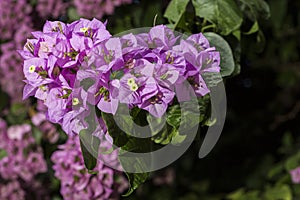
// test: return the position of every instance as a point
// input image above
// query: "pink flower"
(76, 182)
(295, 174)
(24, 159)
(12, 191)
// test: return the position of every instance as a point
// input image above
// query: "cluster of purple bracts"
(77, 183)
(72, 66)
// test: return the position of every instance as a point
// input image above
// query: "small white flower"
(84, 29)
(131, 81)
(134, 87)
(75, 101)
(32, 69)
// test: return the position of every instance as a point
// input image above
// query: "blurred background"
(258, 154)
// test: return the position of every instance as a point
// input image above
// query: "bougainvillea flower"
(94, 29)
(72, 67)
(158, 103)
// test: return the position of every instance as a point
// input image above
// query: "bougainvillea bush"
(78, 78)
(76, 67)
(140, 71)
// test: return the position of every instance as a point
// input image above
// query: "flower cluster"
(52, 61)
(21, 160)
(53, 8)
(15, 27)
(11, 79)
(73, 66)
(24, 159)
(12, 191)
(48, 129)
(76, 182)
(84, 8)
(12, 14)
(16, 23)
(97, 8)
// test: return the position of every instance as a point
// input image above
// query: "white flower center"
(130, 81)
(84, 29)
(134, 87)
(32, 69)
(75, 101)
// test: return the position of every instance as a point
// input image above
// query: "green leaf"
(56, 198)
(129, 144)
(37, 134)
(210, 122)
(3, 153)
(87, 83)
(185, 117)
(296, 189)
(175, 10)
(135, 180)
(165, 136)
(156, 124)
(225, 14)
(287, 143)
(4, 100)
(240, 194)
(261, 41)
(236, 194)
(227, 62)
(116, 75)
(279, 192)
(190, 115)
(169, 132)
(212, 79)
(292, 162)
(92, 172)
(134, 112)
(237, 34)
(237, 59)
(253, 195)
(177, 139)
(204, 106)
(33, 2)
(72, 14)
(254, 29)
(119, 136)
(89, 146)
(139, 163)
(275, 170)
(17, 114)
(255, 9)
(285, 178)
(174, 115)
